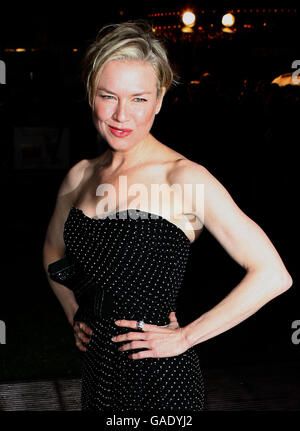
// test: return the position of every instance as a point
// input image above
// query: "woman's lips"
(120, 133)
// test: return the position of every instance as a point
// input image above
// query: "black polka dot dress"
(135, 262)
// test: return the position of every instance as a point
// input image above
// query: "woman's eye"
(140, 99)
(105, 96)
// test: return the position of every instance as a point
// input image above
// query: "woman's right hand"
(82, 333)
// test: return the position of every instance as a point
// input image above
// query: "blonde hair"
(132, 40)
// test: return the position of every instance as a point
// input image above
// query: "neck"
(116, 160)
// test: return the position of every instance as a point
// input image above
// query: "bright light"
(228, 20)
(286, 79)
(187, 29)
(227, 30)
(189, 18)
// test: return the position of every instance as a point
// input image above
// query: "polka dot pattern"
(135, 261)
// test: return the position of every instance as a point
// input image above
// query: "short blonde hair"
(132, 40)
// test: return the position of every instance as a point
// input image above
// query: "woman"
(131, 246)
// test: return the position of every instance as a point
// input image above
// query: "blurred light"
(189, 18)
(227, 30)
(228, 20)
(195, 82)
(187, 29)
(75, 50)
(286, 79)
(20, 50)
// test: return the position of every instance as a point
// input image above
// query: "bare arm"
(247, 244)
(54, 247)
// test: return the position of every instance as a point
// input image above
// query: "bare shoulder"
(74, 177)
(186, 171)
(216, 198)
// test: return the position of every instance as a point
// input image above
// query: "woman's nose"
(121, 113)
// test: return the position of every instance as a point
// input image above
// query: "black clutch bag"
(67, 272)
(64, 271)
(92, 300)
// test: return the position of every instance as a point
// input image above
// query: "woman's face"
(126, 102)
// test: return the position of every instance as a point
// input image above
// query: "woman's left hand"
(161, 341)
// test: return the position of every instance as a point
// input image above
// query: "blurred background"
(235, 111)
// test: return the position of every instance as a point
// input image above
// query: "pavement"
(263, 387)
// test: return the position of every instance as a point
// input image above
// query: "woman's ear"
(160, 100)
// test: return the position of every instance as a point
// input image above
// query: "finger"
(133, 324)
(172, 317)
(130, 336)
(144, 354)
(82, 336)
(80, 346)
(147, 326)
(85, 328)
(133, 345)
